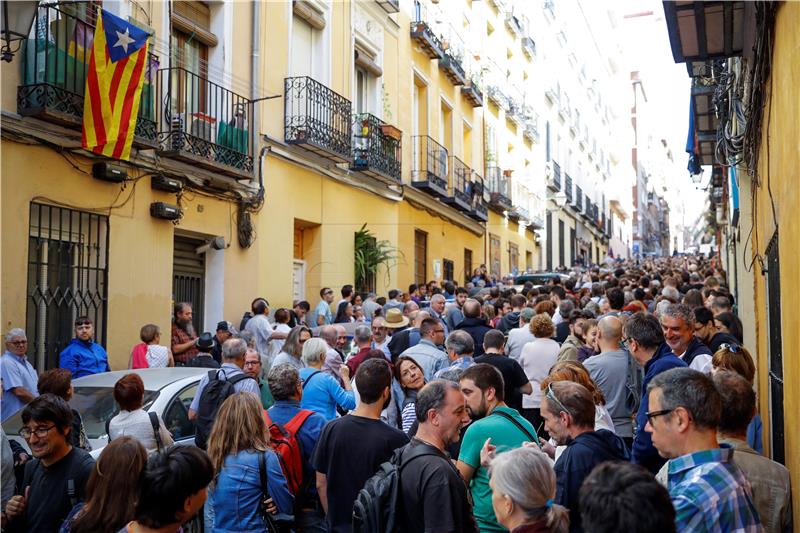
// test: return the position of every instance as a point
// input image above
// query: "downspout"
(256, 56)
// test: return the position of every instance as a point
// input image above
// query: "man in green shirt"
(482, 386)
(252, 367)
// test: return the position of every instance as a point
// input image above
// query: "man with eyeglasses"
(19, 377)
(380, 336)
(568, 410)
(708, 490)
(83, 356)
(252, 368)
(644, 340)
(55, 479)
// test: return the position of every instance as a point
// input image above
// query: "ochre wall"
(778, 163)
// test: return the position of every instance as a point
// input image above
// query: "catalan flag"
(114, 86)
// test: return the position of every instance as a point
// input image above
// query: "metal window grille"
(448, 268)
(420, 257)
(67, 278)
(467, 265)
(775, 351)
(562, 244)
(188, 278)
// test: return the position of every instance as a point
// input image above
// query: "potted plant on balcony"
(391, 131)
(507, 172)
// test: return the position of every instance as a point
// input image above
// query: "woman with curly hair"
(536, 358)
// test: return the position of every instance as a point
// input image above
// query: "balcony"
(423, 35)
(429, 173)
(578, 200)
(515, 112)
(552, 95)
(587, 209)
(513, 24)
(479, 210)
(555, 180)
(499, 189)
(452, 68)
(204, 123)
(568, 187)
(529, 47)
(458, 192)
(390, 6)
(473, 93)
(377, 148)
(54, 64)
(530, 129)
(520, 210)
(496, 95)
(317, 119)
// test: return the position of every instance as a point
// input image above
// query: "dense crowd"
(613, 398)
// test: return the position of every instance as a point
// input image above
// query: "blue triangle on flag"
(122, 37)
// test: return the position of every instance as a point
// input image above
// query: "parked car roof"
(153, 378)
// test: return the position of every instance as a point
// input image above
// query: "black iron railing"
(568, 187)
(203, 121)
(480, 210)
(498, 182)
(579, 197)
(377, 146)
(317, 117)
(459, 180)
(424, 35)
(430, 161)
(557, 175)
(55, 62)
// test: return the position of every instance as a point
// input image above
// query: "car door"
(176, 415)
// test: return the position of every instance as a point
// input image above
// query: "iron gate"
(188, 277)
(67, 278)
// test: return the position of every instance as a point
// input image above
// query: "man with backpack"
(352, 448)
(217, 385)
(432, 495)
(294, 433)
(484, 391)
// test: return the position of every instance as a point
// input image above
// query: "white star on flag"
(124, 39)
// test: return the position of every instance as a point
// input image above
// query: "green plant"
(387, 107)
(369, 254)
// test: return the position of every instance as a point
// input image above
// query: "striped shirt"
(711, 494)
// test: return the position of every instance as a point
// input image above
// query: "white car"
(167, 391)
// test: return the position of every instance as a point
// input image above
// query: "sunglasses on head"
(84, 323)
(733, 348)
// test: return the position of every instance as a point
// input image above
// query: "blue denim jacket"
(237, 493)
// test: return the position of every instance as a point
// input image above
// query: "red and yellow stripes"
(113, 92)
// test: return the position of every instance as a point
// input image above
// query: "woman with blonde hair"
(239, 450)
(523, 485)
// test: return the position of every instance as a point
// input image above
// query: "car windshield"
(95, 404)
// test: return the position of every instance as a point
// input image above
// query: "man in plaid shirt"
(709, 492)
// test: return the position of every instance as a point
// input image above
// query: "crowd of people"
(614, 398)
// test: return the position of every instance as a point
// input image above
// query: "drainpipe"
(256, 56)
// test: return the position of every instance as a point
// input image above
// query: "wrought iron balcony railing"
(423, 34)
(54, 65)
(499, 185)
(556, 176)
(458, 191)
(377, 147)
(473, 92)
(430, 169)
(578, 204)
(480, 211)
(202, 122)
(568, 187)
(317, 118)
(529, 47)
(453, 69)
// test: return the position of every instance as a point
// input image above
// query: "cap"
(205, 341)
(226, 326)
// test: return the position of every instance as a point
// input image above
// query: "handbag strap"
(516, 423)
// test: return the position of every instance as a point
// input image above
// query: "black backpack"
(377, 505)
(215, 392)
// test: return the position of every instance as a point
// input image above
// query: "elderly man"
(438, 302)
(380, 336)
(83, 356)
(333, 359)
(474, 324)
(643, 338)
(709, 492)
(19, 377)
(363, 340)
(677, 322)
(521, 335)
(183, 334)
(460, 348)
(427, 353)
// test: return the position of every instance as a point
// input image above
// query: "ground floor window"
(513, 258)
(420, 257)
(67, 278)
(494, 256)
(467, 265)
(188, 277)
(449, 269)
(773, 287)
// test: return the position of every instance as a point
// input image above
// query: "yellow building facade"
(302, 110)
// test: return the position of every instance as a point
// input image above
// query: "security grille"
(188, 277)
(67, 278)
(420, 257)
(775, 350)
(448, 268)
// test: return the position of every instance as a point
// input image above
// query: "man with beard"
(352, 448)
(483, 389)
(432, 492)
(83, 356)
(574, 341)
(183, 334)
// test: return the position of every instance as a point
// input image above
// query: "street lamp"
(16, 19)
(560, 199)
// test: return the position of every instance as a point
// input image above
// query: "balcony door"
(302, 46)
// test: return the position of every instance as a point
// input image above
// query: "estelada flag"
(114, 86)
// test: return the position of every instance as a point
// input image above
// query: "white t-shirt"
(536, 359)
(137, 424)
(276, 345)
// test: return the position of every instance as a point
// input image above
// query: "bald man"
(615, 372)
(474, 324)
